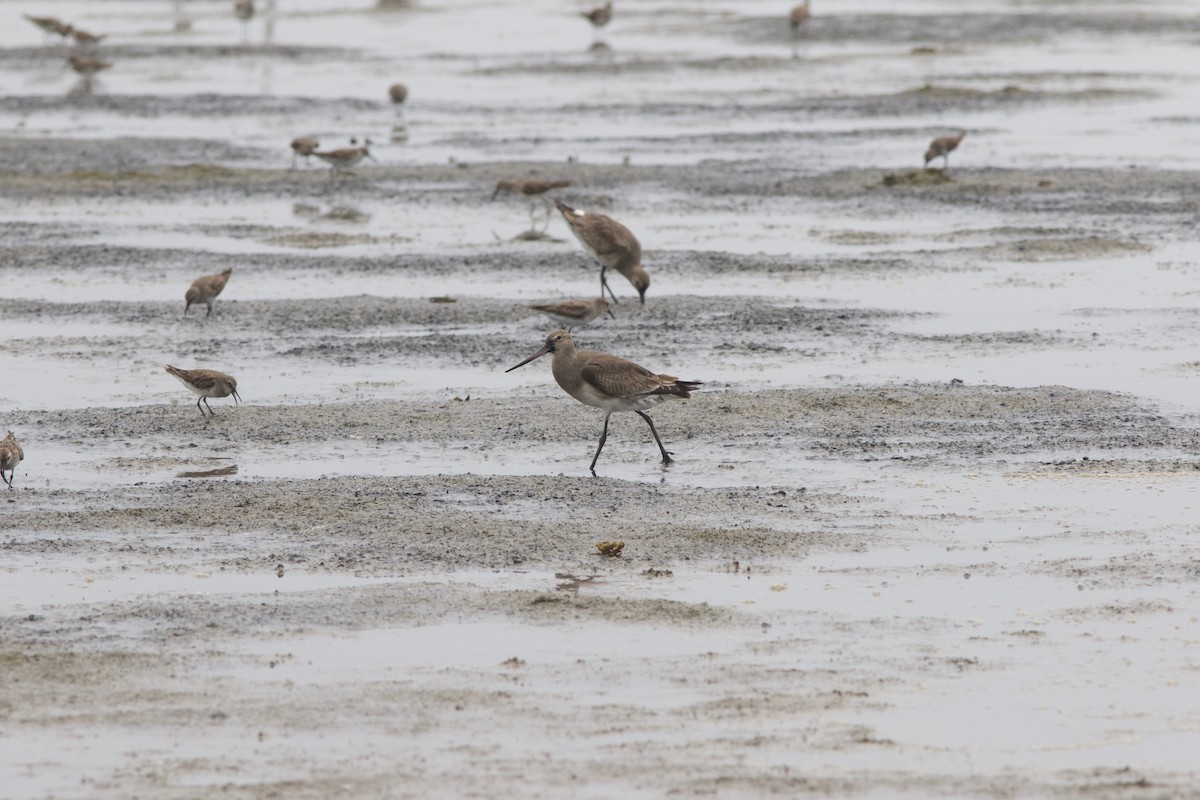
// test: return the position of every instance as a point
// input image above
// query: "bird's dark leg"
(603, 438)
(213, 413)
(209, 314)
(7, 480)
(198, 408)
(604, 285)
(666, 456)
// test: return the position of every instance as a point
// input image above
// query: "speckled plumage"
(207, 383)
(205, 290)
(611, 244)
(11, 454)
(610, 383)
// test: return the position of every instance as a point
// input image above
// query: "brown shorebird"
(576, 313)
(942, 146)
(182, 21)
(244, 11)
(531, 187)
(51, 26)
(599, 16)
(205, 290)
(87, 66)
(207, 383)
(11, 454)
(609, 383)
(304, 146)
(344, 159)
(398, 93)
(85, 39)
(798, 16)
(611, 244)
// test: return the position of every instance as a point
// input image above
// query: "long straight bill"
(545, 349)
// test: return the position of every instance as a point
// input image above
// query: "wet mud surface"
(930, 526)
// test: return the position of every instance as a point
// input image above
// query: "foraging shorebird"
(11, 454)
(531, 187)
(576, 313)
(609, 383)
(398, 93)
(51, 26)
(599, 16)
(798, 16)
(205, 290)
(611, 244)
(942, 146)
(85, 39)
(344, 159)
(207, 383)
(304, 146)
(87, 66)
(244, 11)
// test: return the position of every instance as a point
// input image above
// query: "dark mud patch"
(382, 526)
(916, 177)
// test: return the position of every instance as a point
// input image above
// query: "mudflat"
(930, 529)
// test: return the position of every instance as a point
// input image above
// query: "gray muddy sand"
(930, 529)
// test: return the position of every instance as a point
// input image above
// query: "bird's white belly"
(589, 395)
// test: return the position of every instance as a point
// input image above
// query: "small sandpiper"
(344, 159)
(244, 11)
(304, 146)
(207, 383)
(531, 187)
(576, 313)
(11, 454)
(51, 26)
(599, 16)
(398, 93)
(609, 383)
(798, 16)
(87, 66)
(205, 290)
(942, 146)
(85, 39)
